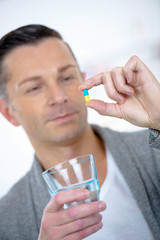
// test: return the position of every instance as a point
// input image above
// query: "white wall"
(103, 34)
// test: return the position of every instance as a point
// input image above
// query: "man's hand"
(74, 223)
(134, 89)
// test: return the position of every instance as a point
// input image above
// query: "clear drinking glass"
(79, 172)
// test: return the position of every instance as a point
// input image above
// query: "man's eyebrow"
(30, 79)
(36, 78)
(62, 69)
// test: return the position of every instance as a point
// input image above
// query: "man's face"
(43, 92)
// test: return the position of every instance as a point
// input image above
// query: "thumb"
(103, 108)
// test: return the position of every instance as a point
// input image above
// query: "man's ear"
(7, 112)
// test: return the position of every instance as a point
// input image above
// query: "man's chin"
(68, 134)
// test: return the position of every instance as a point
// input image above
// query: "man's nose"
(56, 95)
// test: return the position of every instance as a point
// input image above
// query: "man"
(40, 90)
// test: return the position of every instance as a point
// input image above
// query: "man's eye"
(33, 89)
(68, 78)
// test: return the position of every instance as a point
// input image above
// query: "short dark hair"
(26, 35)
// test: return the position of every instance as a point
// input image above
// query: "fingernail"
(121, 100)
(85, 193)
(102, 206)
(131, 92)
(100, 225)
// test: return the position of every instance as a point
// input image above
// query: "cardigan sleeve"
(154, 138)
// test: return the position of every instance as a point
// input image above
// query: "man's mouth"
(61, 114)
(63, 118)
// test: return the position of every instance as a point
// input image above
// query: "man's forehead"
(50, 44)
(29, 61)
(49, 50)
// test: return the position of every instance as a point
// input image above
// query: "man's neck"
(86, 143)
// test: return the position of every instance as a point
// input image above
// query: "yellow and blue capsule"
(86, 95)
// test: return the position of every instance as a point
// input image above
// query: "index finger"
(61, 198)
(138, 67)
(135, 64)
(93, 81)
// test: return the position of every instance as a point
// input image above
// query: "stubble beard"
(70, 137)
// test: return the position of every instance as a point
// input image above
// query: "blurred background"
(103, 34)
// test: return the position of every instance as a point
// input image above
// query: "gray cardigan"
(22, 208)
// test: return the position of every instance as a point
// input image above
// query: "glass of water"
(79, 172)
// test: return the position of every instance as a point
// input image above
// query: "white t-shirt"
(123, 219)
